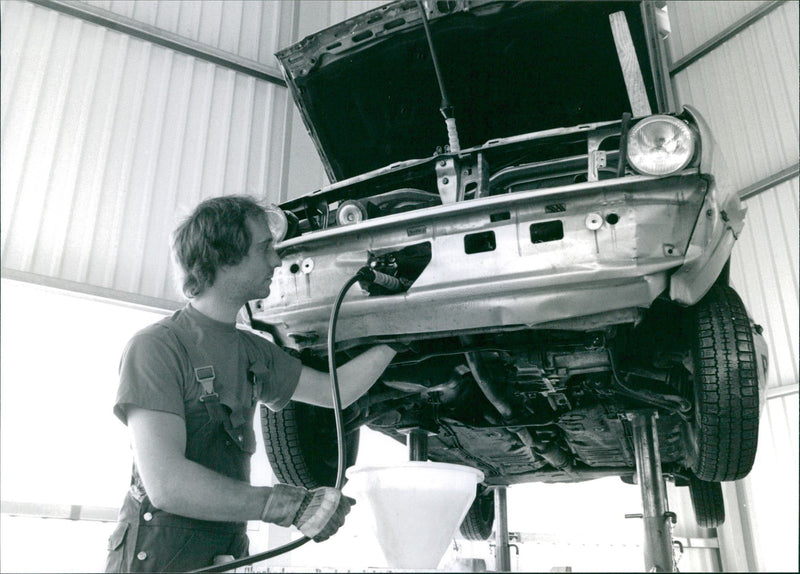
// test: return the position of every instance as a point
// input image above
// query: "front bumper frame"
(599, 270)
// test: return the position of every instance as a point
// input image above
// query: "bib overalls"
(148, 539)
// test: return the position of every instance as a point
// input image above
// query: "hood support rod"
(446, 108)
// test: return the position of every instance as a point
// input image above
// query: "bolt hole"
(294, 268)
(612, 218)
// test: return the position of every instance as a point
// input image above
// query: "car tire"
(301, 444)
(479, 521)
(707, 501)
(725, 387)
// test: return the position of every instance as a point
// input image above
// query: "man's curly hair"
(215, 234)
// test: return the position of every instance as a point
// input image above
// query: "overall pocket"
(171, 549)
(116, 549)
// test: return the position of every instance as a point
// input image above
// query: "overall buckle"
(205, 376)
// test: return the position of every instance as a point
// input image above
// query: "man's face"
(251, 277)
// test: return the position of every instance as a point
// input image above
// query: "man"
(189, 386)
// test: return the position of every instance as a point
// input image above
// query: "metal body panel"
(587, 272)
(716, 230)
(302, 170)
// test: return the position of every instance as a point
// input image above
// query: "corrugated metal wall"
(765, 273)
(746, 88)
(254, 30)
(109, 139)
(743, 76)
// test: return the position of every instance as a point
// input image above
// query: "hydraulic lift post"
(502, 557)
(417, 443)
(656, 516)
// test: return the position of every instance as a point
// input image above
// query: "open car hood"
(368, 92)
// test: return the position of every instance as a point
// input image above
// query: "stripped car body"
(543, 284)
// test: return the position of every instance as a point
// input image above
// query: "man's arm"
(355, 378)
(180, 486)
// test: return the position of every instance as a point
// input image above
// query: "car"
(553, 239)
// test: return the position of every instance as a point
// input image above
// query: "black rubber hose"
(340, 440)
(337, 401)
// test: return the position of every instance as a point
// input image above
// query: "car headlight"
(278, 222)
(660, 145)
(350, 212)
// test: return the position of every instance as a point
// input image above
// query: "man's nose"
(274, 259)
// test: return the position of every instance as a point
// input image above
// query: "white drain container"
(416, 507)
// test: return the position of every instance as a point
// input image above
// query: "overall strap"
(204, 374)
(203, 370)
(257, 370)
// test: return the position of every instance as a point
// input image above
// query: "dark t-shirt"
(156, 373)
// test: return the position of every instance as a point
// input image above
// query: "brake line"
(340, 439)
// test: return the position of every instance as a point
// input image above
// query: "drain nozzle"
(393, 284)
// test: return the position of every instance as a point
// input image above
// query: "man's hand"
(323, 513)
(318, 514)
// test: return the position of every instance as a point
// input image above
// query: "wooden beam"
(631, 71)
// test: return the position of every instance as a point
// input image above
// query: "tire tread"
(282, 440)
(708, 503)
(479, 521)
(726, 387)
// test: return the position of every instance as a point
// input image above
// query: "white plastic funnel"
(416, 507)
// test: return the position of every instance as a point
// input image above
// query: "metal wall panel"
(764, 271)
(695, 22)
(108, 140)
(769, 494)
(248, 29)
(747, 90)
(251, 30)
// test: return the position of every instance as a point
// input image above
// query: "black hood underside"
(509, 68)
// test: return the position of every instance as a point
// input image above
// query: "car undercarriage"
(531, 404)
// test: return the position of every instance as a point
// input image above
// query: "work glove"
(317, 513)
